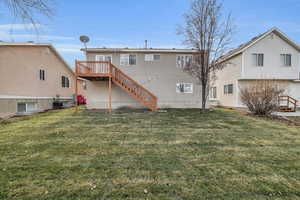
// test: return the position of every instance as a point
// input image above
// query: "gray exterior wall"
(228, 75)
(271, 46)
(159, 77)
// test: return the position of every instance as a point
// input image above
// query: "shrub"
(261, 97)
(81, 100)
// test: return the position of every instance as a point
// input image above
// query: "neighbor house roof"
(31, 44)
(139, 50)
(256, 39)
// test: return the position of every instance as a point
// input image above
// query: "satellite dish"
(84, 39)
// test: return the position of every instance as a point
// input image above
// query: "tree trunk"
(203, 97)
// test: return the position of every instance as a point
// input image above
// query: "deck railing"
(106, 69)
(93, 67)
(290, 104)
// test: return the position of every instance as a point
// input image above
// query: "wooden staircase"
(290, 104)
(101, 70)
(133, 88)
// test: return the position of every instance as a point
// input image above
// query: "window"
(65, 82)
(42, 74)
(103, 58)
(183, 60)
(156, 57)
(152, 57)
(127, 59)
(132, 59)
(184, 88)
(84, 85)
(286, 60)
(213, 92)
(31, 107)
(27, 107)
(21, 107)
(258, 59)
(228, 89)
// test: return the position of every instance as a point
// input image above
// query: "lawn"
(178, 155)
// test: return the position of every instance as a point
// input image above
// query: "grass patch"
(180, 154)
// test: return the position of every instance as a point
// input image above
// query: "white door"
(102, 68)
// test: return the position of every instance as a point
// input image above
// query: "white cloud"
(19, 32)
(18, 27)
(12, 36)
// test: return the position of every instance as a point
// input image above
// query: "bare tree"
(208, 31)
(27, 10)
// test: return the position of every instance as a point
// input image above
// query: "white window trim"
(213, 98)
(42, 69)
(256, 63)
(149, 56)
(283, 64)
(26, 107)
(184, 85)
(101, 55)
(227, 85)
(84, 85)
(180, 55)
(152, 57)
(128, 57)
(65, 83)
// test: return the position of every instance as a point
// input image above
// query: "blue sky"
(127, 23)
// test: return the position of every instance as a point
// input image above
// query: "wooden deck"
(105, 71)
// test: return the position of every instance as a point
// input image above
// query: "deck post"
(76, 85)
(109, 86)
(109, 94)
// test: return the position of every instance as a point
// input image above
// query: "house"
(31, 76)
(139, 78)
(269, 56)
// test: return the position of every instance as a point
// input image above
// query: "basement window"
(27, 108)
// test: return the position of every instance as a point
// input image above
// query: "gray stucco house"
(145, 77)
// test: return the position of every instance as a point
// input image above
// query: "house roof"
(256, 39)
(139, 50)
(31, 44)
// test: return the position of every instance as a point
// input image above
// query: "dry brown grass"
(180, 154)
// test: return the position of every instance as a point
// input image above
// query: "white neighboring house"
(269, 56)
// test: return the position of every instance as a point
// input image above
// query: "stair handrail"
(289, 100)
(153, 101)
(133, 81)
(136, 90)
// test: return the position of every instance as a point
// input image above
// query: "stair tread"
(145, 101)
